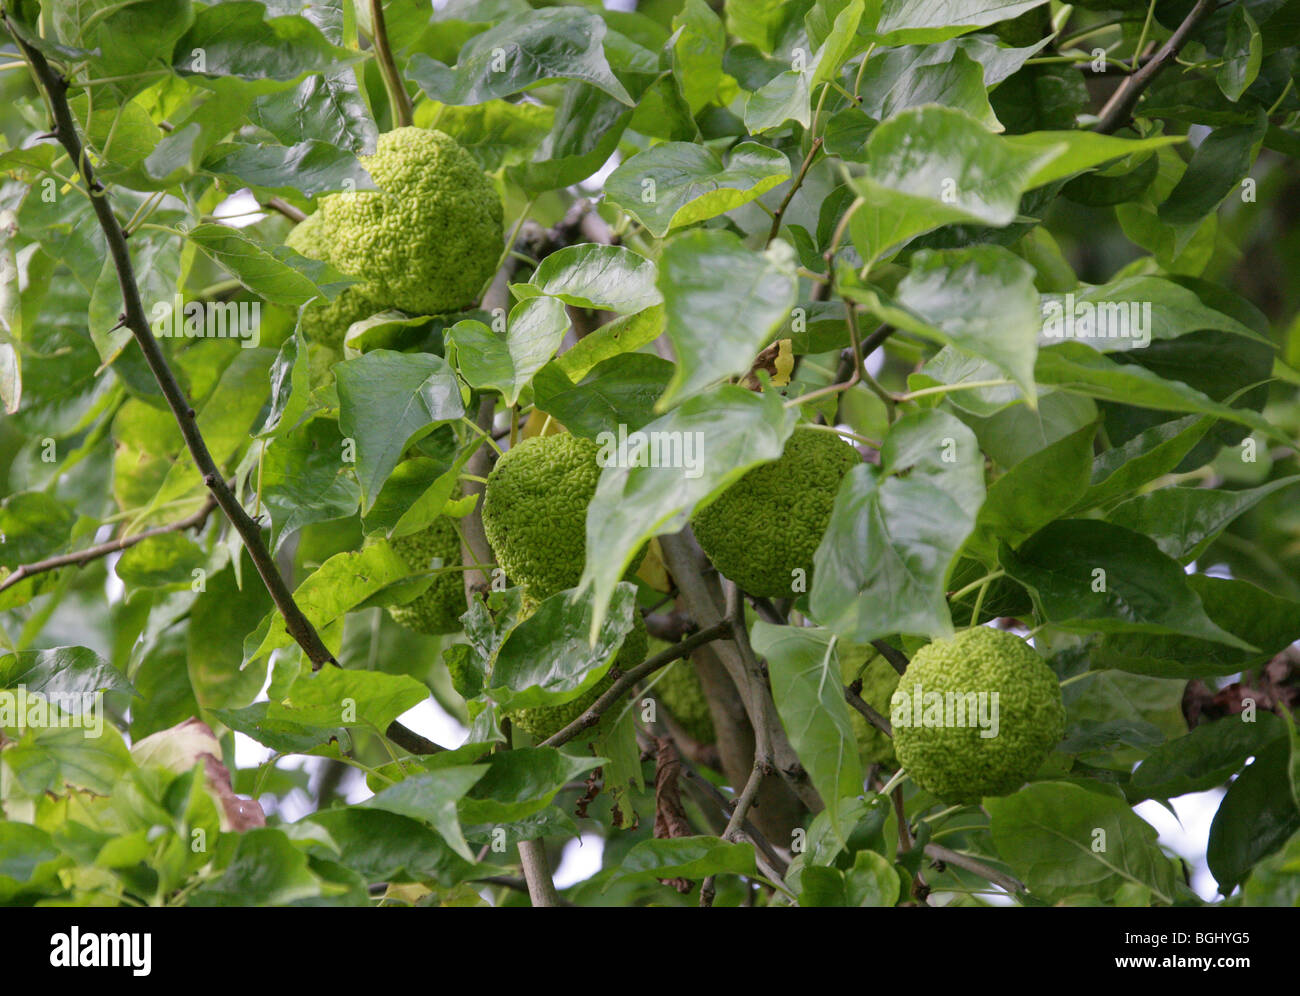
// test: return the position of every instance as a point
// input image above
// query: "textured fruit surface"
(535, 511)
(426, 240)
(768, 524)
(954, 761)
(439, 608)
(545, 721)
(680, 690)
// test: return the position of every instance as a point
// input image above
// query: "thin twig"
(79, 558)
(1119, 109)
(854, 698)
(629, 678)
(285, 208)
(975, 867)
(896, 658)
(794, 189)
(296, 623)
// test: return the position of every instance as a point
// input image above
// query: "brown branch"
(779, 213)
(686, 563)
(975, 867)
(298, 626)
(629, 678)
(285, 208)
(79, 558)
(896, 658)
(398, 99)
(762, 768)
(1119, 108)
(853, 697)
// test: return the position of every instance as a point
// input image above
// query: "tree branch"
(779, 213)
(685, 562)
(1119, 109)
(297, 625)
(629, 678)
(79, 558)
(852, 696)
(896, 658)
(975, 867)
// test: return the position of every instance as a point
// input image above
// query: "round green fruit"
(439, 607)
(680, 690)
(768, 524)
(954, 693)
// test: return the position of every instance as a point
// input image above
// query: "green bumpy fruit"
(769, 523)
(438, 609)
(680, 690)
(535, 511)
(426, 240)
(954, 762)
(546, 721)
(879, 681)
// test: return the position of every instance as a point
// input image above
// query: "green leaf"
(53, 759)
(233, 39)
(587, 128)
(1243, 50)
(305, 480)
(266, 869)
(275, 273)
(1258, 617)
(1256, 817)
(61, 671)
(610, 278)
(687, 857)
(1122, 469)
(980, 300)
(496, 134)
(809, 696)
(1079, 369)
(621, 391)
(309, 168)
(675, 184)
(717, 327)
(521, 782)
(697, 55)
(1094, 577)
(1205, 758)
(1031, 494)
(279, 727)
(622, 335)
(506, 363)
(521, 52)
(548, 659)
(1132, 312)
(931, 166)
(946, 74)
(1220, 163)
(1062, 839)
(937, 20)
(159, 561)
(387, 400)
(337, 696)
(654, 486)
(431, 797)
(1273, 882)
(1184, 521)
(385, 847)
(344, 581)
(895, 531)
